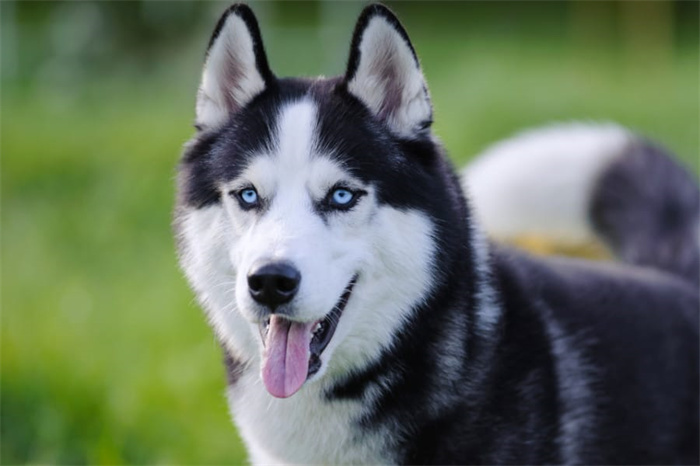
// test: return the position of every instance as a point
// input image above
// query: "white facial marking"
(395, 268)
(205, 261)
(397, 276)
(290, 181)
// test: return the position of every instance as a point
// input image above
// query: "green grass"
(106, 358)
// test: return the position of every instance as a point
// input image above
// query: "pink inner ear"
(236, 68)
(387, 78)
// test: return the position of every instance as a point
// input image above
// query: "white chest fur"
(303, 429)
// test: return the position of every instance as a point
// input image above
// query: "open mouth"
(293, 349)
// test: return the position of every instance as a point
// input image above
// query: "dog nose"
(273, 283)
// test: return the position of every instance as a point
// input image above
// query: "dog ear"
(235, 68)
(384, 73)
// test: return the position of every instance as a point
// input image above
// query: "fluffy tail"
(575, 184)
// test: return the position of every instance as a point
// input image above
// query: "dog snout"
(273, 283)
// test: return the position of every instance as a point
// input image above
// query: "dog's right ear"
(235, 69)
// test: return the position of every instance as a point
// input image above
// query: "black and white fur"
(448, 349)
(606, 184)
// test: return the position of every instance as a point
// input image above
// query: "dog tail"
(578, 184)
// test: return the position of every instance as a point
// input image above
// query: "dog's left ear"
(384, 73)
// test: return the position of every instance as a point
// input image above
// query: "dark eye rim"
(330, 205)
(237, 194)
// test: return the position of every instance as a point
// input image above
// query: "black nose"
(273, 283)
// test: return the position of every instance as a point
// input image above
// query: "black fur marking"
(195, 187)
(643, 351)
(646, 207)
(218, 156)
(508, 404)
(346, 131)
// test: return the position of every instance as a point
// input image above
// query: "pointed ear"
(235, 69)
(384, 73)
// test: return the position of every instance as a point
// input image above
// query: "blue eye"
(248, 196)
(342, 197)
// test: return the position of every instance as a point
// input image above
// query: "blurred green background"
(106, 358)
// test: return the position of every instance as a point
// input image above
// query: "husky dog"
(364, 315)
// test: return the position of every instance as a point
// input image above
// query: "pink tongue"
(286, 358)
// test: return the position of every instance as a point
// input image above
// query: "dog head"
(309, 209)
